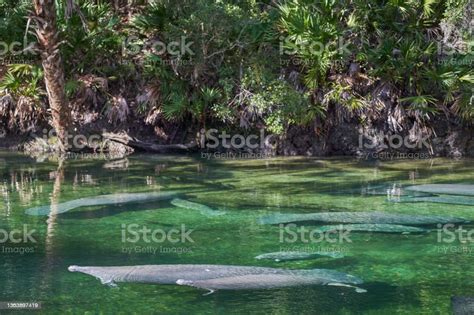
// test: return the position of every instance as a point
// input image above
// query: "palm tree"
(48, 39)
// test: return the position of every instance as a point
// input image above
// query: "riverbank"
(346, 139)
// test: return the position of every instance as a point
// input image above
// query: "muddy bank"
(346, 139)
(446, 140)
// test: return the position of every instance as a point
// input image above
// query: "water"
(403, 274)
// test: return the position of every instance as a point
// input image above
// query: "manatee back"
(463, 305)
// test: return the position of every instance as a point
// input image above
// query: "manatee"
(268, 281)
(166, 274)
(203, 209)
(463, 305)
(383, 228)
(192, 274)
(448, 199)
(381, 190)
(444, 189)
(101, 200)
(373, 217)
(295, 255)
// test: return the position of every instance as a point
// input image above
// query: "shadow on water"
(84, 213)
(315, 299)
(112, 210)
(289, 209)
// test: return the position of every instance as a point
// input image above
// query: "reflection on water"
(402, 273)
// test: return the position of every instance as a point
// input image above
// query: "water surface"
(403, 274)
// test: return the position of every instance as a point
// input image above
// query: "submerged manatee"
(166, 274)
(444, 189)
(192, 274)
(374, 217)
(267, 281)
(380, 190)
(449, 199)
(203, 209)
(382, 228)
(294, 255)
(463, 305)
(101, 200)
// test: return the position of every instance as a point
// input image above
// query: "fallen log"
(149, 147)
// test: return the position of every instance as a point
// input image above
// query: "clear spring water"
(403, 274)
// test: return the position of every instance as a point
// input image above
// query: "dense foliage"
(247, 63)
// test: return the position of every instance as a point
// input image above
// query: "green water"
(403, 274)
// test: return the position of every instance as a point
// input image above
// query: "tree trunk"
(48, 39)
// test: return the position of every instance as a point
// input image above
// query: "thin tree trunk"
(48, 39)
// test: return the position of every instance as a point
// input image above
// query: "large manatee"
(463, 305)
(203, 209)
(193, 274)
(447, 199)
(99, 201)
(373, 217)
(379, 190)
(444, 189)
(381, 228)
(297, 255)
(268, 281)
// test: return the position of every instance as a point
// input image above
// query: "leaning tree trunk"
(48, 39)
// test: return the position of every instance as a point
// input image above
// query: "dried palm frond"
(153, 116)
(27, 114)
(87, 91)
(117, 109)
(149, 99)
(7, 103)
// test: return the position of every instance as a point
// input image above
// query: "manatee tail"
(203, 209)
(39, 211)
(107, 280)
(47, 210)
